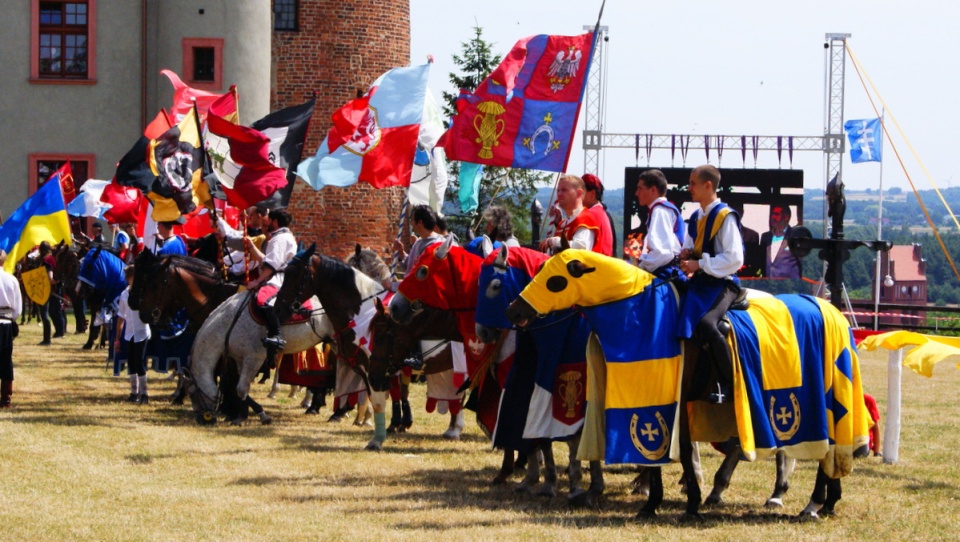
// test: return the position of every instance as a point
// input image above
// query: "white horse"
(230, 335)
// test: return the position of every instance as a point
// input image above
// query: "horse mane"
(196, 266)
(370, 264)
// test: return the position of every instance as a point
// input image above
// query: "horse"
(789, 349)
(100, 282)
(343, 293)
(68, 266)
(553, 360)
(446, 277)
(392, 343)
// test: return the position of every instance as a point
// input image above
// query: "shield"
(36, 283)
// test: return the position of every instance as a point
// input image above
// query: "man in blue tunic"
(167, 241)
(711, 256)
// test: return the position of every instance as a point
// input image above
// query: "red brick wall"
(341, 47)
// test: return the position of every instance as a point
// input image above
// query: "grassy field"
(78, 463)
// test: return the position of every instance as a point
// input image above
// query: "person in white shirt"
(278, 250)
(665, 231)
(711, 256)
(11, 303)
(135, 334)
(579, 228)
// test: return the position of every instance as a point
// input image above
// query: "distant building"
(908, 270)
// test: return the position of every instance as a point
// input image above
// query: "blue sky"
(738, 68)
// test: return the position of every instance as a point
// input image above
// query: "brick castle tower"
(340, 48)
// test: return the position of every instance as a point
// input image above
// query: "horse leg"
(785, 467)
(532, 477)
(689, 469)
(457, 424)
(577, 495)
(307, 399)
(92, 337)
(549, 487)
(655, 499)
(396, 418)
(265, 418)
(379, 401)
(817, 498)
(407, 413)
(721, 480)
(275, 386)
(834, 494)
(506, 468)
(248, 371)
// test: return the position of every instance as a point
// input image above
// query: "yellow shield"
(37, 284)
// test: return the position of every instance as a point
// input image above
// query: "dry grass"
(80, 464)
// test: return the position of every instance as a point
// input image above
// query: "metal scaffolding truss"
(830, 143)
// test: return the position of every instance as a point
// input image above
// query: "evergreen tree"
(514, 189)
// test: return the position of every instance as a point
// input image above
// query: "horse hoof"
(87, 347)
(547, 492)
(773, 503)
(523, 488)
(714, 500)
(272, 395)
(691, 517)
(451, 434)
(579, 498)
(236, 422)
(806, 517)
(500, 479)
(265, 419)
(336, 418)
(374, 446)
(646, 515)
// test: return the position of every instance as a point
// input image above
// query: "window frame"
(35, 158)
(188, 45)
(91, 77)
(296, 17)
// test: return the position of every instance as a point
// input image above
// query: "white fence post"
(891, 437)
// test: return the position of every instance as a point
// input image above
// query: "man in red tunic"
(578, 226)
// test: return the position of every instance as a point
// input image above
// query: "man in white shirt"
(578, 227)
(423, 221)
(10, 305)
(279, 249)
(665, 231)
(711, 256)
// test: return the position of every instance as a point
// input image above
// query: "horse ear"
(444, 249)
(357, 249)
(501, 260)
(564, 243)
(310, 251)
(486, 247)
(380, 308)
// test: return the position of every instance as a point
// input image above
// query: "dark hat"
(591, 181)
(171, 223)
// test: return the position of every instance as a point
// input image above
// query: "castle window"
(62, 41)
(285, 15)
(203, 63)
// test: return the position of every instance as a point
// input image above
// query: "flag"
(866, 140)
(64, 176)
(287, 130)
(470, 176)
(43, 217)
(218, 148)
(257, 177)
(177, 159)
(123, 202)
(87, 202)
(374, 137)
(524, 114)
(134, 168)
(184, 96)
(428, 181)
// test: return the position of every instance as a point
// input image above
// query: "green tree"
(514, 189)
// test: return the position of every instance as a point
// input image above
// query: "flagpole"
(876, 293)
(400, 221)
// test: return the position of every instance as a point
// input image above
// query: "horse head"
(299, 282)
(146, 268)
(368, 262)
(204, 407)
(389, 346)
(445, 278)
(576, 277)
(503, 276)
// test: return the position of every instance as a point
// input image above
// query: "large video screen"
(770, 203)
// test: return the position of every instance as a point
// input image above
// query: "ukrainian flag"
(43, 217)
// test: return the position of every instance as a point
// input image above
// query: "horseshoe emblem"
(649, 432)
(783, 416)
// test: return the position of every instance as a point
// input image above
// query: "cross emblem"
(649, 432)
(783, 417)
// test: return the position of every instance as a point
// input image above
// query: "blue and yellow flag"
(43, 217)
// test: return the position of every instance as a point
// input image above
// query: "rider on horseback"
(279, 249)
(711, 256)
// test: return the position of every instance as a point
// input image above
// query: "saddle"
(298, 317)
